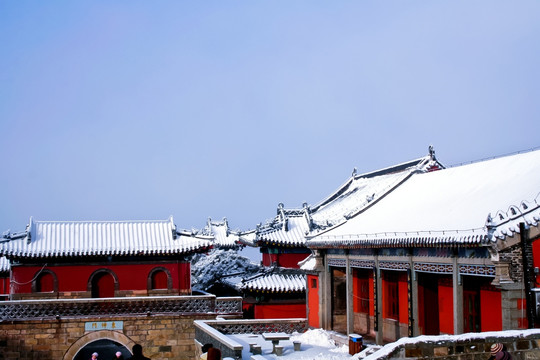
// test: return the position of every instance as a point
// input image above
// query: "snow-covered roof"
(290, 226)
(248, 237)
(449, 206)
(102, 238)
(4, 264)
(223, 236)
(360, 191)
(308, 263)
(276, 282)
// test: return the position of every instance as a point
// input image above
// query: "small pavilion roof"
(276, 281)
(467, 205)
(224, 237)
(288, 228)
(101, 238)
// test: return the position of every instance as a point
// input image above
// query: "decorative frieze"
(480, 270)
(394, 265)
(364, 264)
(434, 268)
(337, 262)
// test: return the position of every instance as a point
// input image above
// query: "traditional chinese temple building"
(275, 292)
(98, 259)
(418, 251)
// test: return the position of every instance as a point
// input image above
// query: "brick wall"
(162, 337)
(513, 256)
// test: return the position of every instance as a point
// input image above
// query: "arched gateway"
(104, 338)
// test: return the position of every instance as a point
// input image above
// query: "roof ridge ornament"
(490, 226)
(307, 215)
(432, 153)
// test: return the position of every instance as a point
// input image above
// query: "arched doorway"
(90, 343)
(106, 348)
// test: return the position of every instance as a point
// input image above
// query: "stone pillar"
(378, 294)
(350, 298)
(513, 315)
(327, 297)
(457, 293)
(502, 273)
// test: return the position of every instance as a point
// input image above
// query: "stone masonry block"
(413, 352)
(440, 351)
(523, 345)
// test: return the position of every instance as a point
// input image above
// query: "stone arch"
(98, 273)
(94, 336)
(155, 270)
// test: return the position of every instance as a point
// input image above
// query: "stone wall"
(162, 336)
(513, 256)
(522, 345)
(364, 324)
(393, 330)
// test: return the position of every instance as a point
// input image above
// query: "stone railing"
(148, 305)
(216, 331)
(521, 344)
(259, 326)
(229, 305)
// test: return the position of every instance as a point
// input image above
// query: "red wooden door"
(471, 311)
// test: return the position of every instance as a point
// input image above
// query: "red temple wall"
(490, 310)
(446, 309)
(403, 299)
(371, 296)
(4, 285)
(283, 260)
(280, 311)
(536, 257)
(75, 278)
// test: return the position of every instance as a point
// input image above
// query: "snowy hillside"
(219, 265)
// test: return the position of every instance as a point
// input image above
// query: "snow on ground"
(316, 345)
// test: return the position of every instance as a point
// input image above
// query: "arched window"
(45, 282)
(159, 278)
(103, 283)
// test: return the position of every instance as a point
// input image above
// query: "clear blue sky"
(122, 110)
